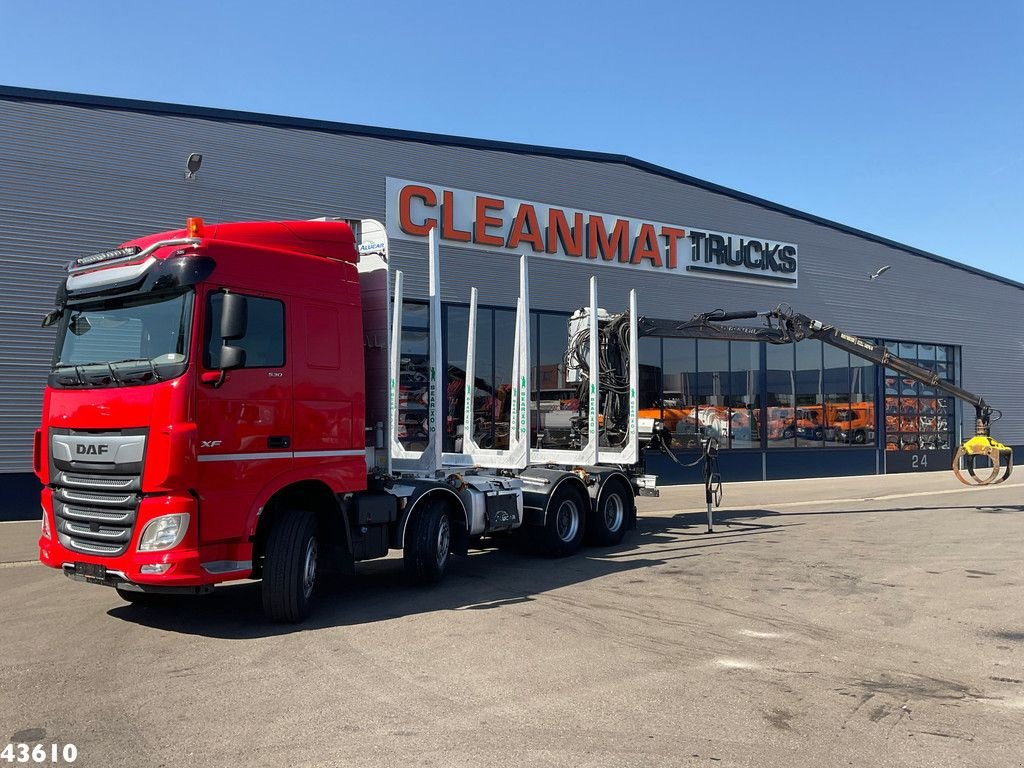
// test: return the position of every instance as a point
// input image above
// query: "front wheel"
(290, 567)
(562, 533)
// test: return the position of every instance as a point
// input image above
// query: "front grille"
(99, 515)
(99, 482)
(81, 497)
(93, 514)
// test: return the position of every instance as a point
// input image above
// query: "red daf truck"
(223, 404)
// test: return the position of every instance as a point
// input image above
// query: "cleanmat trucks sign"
(492, 222)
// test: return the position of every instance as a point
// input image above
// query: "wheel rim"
(567, 520)
(614, 512)
(444, 535)
(309, 569)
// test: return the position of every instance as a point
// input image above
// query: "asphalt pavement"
(858, 621)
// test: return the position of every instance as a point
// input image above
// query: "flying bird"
(881, 271)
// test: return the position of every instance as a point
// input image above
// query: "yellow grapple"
(999, 455)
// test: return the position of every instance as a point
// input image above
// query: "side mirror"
(231, 357)
(233, 317)
(52, 317)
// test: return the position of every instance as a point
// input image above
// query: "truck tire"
(428, 543)
(607, 521)
(562, 534)
(290, 567)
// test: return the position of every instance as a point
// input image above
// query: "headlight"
(46, 526)
(163, 532)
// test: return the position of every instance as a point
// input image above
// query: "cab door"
(245, 423)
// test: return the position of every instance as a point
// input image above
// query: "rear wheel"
(290, 567)
(562, 533)
(428, 543)
(606, 524)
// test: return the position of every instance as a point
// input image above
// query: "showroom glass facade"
(748, 395)
(919, 417)
(753, 395)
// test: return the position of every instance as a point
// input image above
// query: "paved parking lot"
(862, 621)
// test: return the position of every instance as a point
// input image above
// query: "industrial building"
(82, 174)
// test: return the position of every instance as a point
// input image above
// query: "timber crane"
(784, 326)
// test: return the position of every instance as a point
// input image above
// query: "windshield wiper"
(116, 379)
(86, 373)
(80, 378)
(147, 360)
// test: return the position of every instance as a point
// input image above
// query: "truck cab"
(197, 374)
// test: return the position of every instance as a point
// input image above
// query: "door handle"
(279, 441)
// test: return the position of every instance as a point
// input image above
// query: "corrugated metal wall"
(78, 179)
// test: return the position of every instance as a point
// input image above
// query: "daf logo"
(92, 450)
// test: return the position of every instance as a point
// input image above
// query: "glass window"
(919, 417)
(744, 394)
(414, 377)
(836, 390)
(555, 398)
(860, 428)
(263, 341)
(504, 336)
(415, 314)
(115, 331)
(456, 321)
(809, 416)
(649, 396)
(780, 425)
(713, 389)
(679, 392)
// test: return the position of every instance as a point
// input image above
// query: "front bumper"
(115, 578)
(190, 568)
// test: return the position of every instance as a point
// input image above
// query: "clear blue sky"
(902, 118)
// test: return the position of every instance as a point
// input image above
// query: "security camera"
(192, 165)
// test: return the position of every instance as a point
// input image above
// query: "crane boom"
(784, 326)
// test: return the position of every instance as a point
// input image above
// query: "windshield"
(127, 341)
